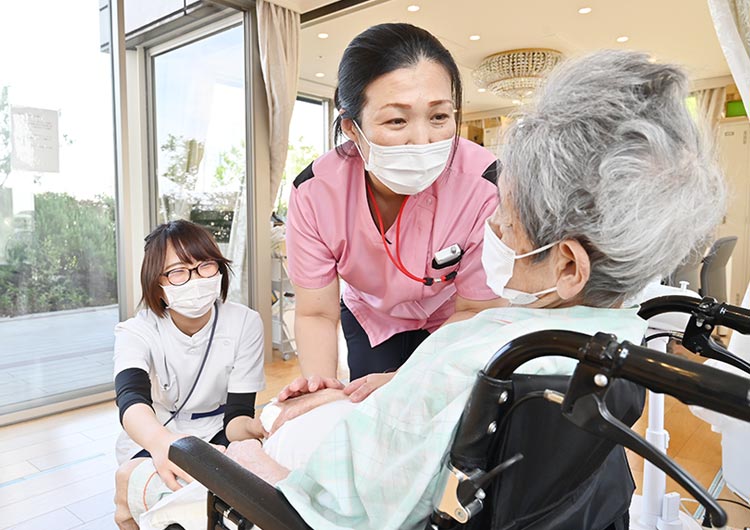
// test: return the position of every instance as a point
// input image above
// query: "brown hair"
(191, 242)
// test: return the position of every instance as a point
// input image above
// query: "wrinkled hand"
(308, 385)
(247, 453)
(168, 470)
(360, 388)
(294, 407)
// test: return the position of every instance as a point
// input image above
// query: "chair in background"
(689, 272)
(714, 269)
(707, 275)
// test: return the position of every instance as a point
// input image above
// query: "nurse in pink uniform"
(397, 212)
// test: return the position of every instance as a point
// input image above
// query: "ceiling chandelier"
(516, 74)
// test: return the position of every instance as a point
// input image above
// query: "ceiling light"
(516, 101)
(623, 39)
(413, 8)
(322, 35)
(320, 74)
(482, 90)
(584, 10)
(474, 37)
(515, 74)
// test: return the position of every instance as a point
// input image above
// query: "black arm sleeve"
(132, 386)
(239, 405)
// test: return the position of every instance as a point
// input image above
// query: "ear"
(347, 126)
(573, 269)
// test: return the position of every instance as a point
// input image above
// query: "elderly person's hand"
(308, 385)
(249, 454)
(297, 406)
(360, 388)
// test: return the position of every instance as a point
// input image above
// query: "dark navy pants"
(388, 356)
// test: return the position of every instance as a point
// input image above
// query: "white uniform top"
(172, 360)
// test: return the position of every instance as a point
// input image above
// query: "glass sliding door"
(308, 139)
(58, 294)
(199, 109)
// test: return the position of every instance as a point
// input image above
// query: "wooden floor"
(58, 472)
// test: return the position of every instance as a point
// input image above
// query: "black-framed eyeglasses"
(181, 276)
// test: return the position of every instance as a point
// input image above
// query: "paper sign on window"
(35, 141)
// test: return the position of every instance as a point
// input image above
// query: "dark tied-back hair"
(192, 243)
(380, 50)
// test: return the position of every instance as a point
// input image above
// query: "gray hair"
(611, 157)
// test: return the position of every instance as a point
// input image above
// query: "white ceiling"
(680, 31)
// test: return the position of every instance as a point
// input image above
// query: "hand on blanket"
(294, 407)
(360, 388)
(308, 385)
(249, 454)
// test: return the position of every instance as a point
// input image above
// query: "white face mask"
(194, 298)
(406, 169)
(498, 260)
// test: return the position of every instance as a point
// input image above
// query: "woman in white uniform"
(189, 363)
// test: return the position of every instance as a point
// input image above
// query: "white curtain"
(732, 24)
(711, 104)
(278, 39)
(278, 42)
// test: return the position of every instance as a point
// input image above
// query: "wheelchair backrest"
(568, 478)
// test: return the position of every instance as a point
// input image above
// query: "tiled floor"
(58, 472)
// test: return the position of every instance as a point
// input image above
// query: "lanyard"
(203, 363)
(427, 280)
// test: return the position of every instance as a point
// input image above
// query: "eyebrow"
(407, 106)
(175, 263)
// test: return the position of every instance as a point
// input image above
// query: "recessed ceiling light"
(585, 10)
(624, 38)
(322, 35)
(481, 90)
(320, 74)
(474, 37)
(413, 8)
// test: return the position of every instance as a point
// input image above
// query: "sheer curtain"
(711, 104)
(278, 43)
(278, 40)
(732, 24)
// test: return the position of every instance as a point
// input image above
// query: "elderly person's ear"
(573, 269)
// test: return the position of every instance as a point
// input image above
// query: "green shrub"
(66, 259)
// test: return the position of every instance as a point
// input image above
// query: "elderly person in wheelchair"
(607, 182)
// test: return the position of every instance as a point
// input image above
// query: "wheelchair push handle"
(723, 314)
(736, 318)
(706, 314)
(690, 382)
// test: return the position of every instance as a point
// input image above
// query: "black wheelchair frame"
(584, 403)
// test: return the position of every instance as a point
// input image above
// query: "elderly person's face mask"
(498, 260)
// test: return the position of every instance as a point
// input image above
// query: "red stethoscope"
(427, 280)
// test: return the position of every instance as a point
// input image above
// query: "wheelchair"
(536, 452)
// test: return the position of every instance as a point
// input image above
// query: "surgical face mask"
(406, 169)
(194, 298)
(498, 260)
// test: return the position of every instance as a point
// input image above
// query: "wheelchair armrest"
(244, 491)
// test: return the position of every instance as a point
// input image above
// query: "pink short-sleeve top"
(331, 233)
